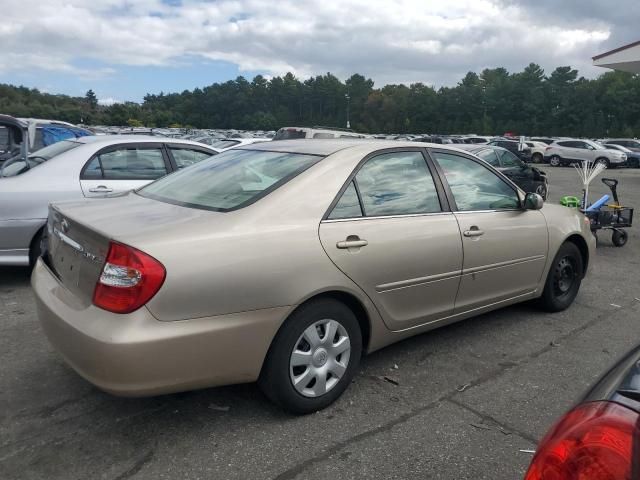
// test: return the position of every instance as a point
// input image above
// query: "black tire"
(35, 249)
(555, 161)
(537, 158)
(605, 161)
(276, 376)
(634, 163)
(564, 279)
(619, 238)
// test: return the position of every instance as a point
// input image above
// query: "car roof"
(114, 139)
(326, 147)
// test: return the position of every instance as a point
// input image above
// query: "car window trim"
(442, 199)
(451, 199)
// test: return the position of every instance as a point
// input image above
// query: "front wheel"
(563, 280)
(604, 162)
(537, 158)
(313, 357)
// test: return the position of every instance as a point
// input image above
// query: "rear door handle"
(352, 241)
(473, 232)
(101, 189)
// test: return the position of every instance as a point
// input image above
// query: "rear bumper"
(138, 355)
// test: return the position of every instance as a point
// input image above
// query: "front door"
(122, 168)
(390, 234)
(505, 247)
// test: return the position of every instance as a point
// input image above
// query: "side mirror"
(533, 201)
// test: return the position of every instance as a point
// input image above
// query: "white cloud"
(435, 42)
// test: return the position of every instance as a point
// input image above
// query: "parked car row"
(566, 152)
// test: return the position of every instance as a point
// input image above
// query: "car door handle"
(473, 232)
(352, 241)
(101, 189)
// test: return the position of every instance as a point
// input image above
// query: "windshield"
(230, 180)
(17, 165)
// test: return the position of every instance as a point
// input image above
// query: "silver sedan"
(74, 169)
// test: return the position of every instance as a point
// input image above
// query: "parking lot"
(469, 400)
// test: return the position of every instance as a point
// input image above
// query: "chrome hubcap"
(320, 358)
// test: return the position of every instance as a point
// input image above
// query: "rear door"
(124, 167)
(392, 233)
(505, 247)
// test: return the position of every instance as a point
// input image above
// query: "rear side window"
(323, 135)
(185, 157)
(396, 183)
(490, 157)
(348, 206)
(132, 164)
(230, 180)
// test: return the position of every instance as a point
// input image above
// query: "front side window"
(133, 164)
(185, 157)
(397, 183)
(230, 180)
(475, 187)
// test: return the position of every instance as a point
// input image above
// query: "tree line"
(494, 101)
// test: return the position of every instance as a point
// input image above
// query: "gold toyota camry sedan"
(283, 262)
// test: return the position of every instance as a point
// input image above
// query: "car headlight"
(624, 156)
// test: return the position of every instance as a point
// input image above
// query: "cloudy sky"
(123, 49)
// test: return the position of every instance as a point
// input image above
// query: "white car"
(568, 151)
(74, 169)
(537, 150)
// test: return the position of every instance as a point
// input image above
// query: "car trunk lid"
(75, 253)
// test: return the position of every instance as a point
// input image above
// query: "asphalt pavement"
(467, 401)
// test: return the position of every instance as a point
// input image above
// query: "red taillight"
(594, 441)
(129, 279)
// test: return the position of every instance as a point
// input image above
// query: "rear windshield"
(290, 134)
(230, 180)
(17, 165)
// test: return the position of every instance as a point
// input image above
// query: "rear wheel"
(313, 357)
(35, 249)
(564, 279)
(555, 161)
